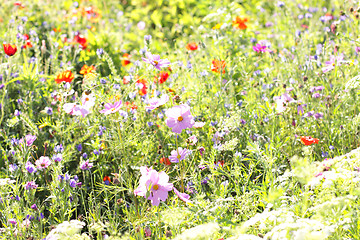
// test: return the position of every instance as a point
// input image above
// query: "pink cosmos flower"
(153, 184)
(334, 61)
(199, 124)
(111, 108)
(75, 109)
(179, 118)
(43, 163)
(157, 102)
(178, 155)
(260, 48)
(192, 140)
(156, 61)
(183, 196)
(282, 101)
(88, 101)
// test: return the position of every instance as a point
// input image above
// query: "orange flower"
(308, 140)
(142, 83)
(66, 76)
(57, 29)
(10, 49)
(130, 105)
(240, 23)
(191, 46)
(86, 69)
(125, 61)
(218, 65)
(165, 161)
(163, 76)
(217, 26)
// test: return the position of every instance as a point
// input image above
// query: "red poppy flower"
(308, 140)
(143, 84)
(81, 40)
(304, 26)
(218, 65)
(191, 46)
(126, 79)
(27, 44)
(163, 76)
(18, 3)
(125, 60)
(240, 23)
(66, 76)
(165, 161)
(106, 178)
(10, 49)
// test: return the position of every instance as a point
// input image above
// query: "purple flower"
(201, 150)
(29, 140)
(17, 112)
(179, 118)
(30, 167)
(316, 95)
(111, 108)
(205, 180)
(300, 109)
(58, 148)
(147, 37)
(309, 114)
(99, 52)
(72, 183)
(156, 61)
(49, 110)
(86, 165)
(34, 207)
(57, 157)
(12, 221)
(13, 167)
(79, 147)
(178, 155)
(30, 185)
(319, 115)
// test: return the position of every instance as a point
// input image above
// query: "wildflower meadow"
(184, 119)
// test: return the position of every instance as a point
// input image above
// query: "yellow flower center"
(156, 62)
(87, 99)
(156, 187)
(333, 64)
(178, 156)
(180, 118)
(112, 109)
